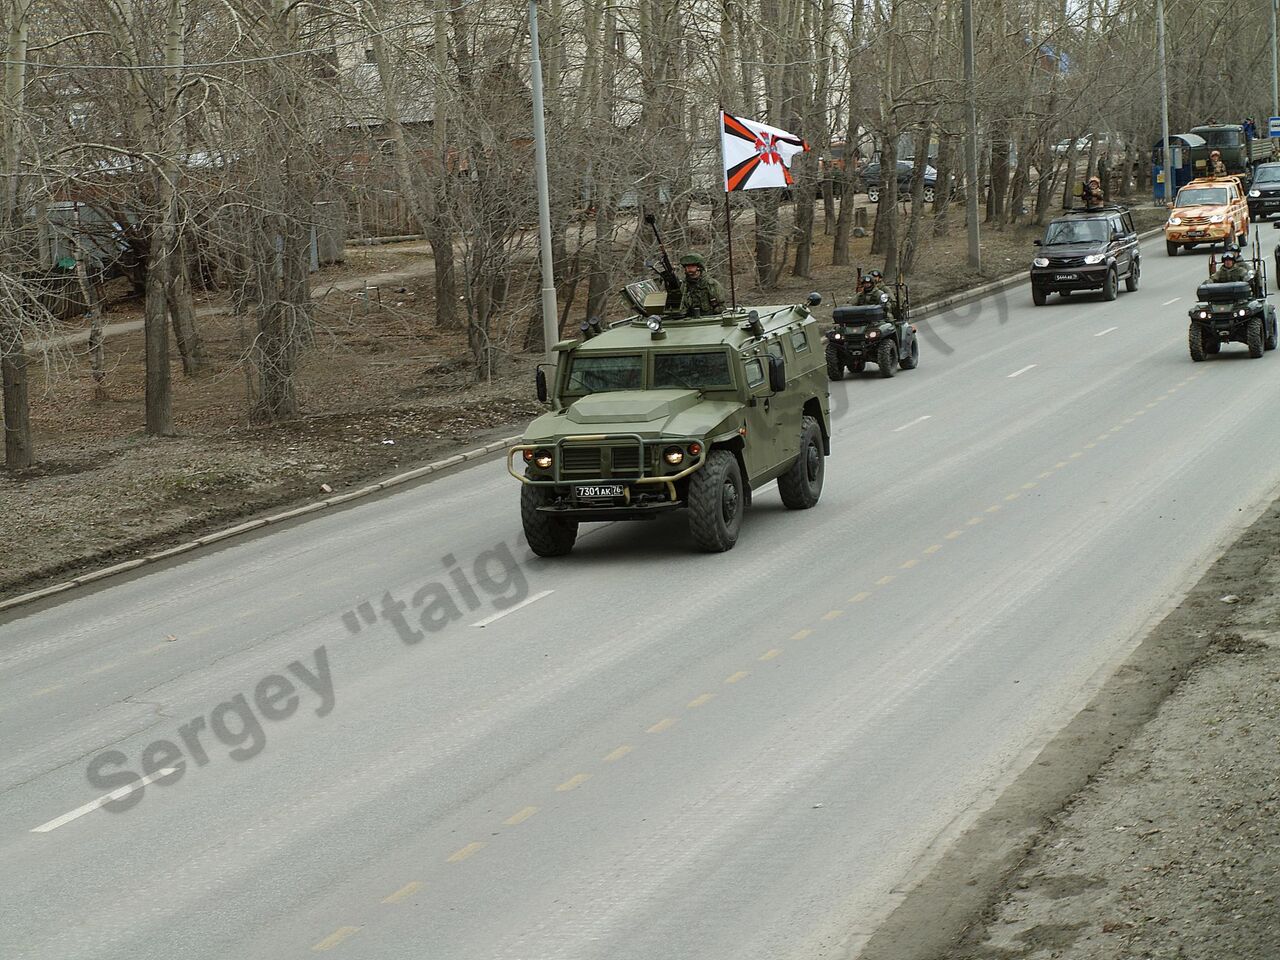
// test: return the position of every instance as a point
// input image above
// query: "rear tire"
(1171, 248)
(1195, 342)
(1111, 288)
(912, 359)
(1270, 335)
(716, 502)
(1135, 274)
(1253, 337)
(873, 194)
(801, 486)
(1038, 296)
(887, 359)
(547, 536)
(835, 366)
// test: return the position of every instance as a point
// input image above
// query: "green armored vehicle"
(661, 412)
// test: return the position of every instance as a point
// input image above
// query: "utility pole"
(550, 315)
(1275, 68)
(971, 143)
(1167, 166)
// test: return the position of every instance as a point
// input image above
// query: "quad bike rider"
(1233, 307)
(876, 328)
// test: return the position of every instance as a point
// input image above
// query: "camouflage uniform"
(1092, 194)
(703, 296)
(1217, 168)
(870, 295)
(1234, 273)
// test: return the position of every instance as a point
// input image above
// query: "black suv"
(1087, 250)
(870, 175)
(1264, 191)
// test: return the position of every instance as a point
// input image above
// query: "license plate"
(599, 491)
(1195, 233)
(1068, 276)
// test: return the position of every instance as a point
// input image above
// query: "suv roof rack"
(1105, 208)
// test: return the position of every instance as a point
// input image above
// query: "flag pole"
(728, 222)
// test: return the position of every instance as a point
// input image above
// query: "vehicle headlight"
(1040, 261)
(1174, 221)
(1241, 312)
(1255, 193)
(1094, 258)
(837, 336)
(673, 456)
(1204, 314)
(872, 334)
(1216, 218)
(542, 459)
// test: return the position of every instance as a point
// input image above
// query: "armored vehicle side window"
(706, 369)
(598, 374)
(755, 373)
(775, 348)
(799, 343)
(1128, 223)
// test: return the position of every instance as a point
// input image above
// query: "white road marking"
(1167, 302)
(93, 805)
(1018, 373)
(523, 603)
(1103, 333)
(913, 422)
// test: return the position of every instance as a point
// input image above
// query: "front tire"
(801, 486)
(548, 536)
(1253, 337)
(887, 359)
(1135, 274)
(912, 359)
(1171, 248)
(1271, 335)
(873, 194)
(1111, 288)
(716, 502)
(1195, 342)
(929, 195)
(835, 366)
(1038, 296)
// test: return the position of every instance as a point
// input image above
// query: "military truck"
(1239, 152)
(1233, 311)
(661, 413)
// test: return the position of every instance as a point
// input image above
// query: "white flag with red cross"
(756, 155)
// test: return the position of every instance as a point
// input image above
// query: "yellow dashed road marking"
(41, 693)
(1060, 464)
(460, 855)
(800, 634)
(105, 667)
(1046, 475)
(574, 782)
(770, 654)
(666, 723)
(832, 614)
(908, 564)
(333, 939)
(1116, 429)
(618, 754)
(408, 890)
(934, 548)
(1030, 485)
(736, 677)
(1090, 445)
(1077, 455)
(700, 701)
(888, 578)
(520, 817)
(994, 508)
(1012, 496)
(859, 596)
(954, 534)
(973, 521)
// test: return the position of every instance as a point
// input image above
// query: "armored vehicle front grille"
(584, 460)
(626, 460)
(1066, 261)
(1194, 220)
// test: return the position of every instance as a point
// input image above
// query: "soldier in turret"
(700, 295)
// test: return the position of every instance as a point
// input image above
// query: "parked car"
(906, 171)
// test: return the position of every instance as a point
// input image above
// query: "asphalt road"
(645, 752)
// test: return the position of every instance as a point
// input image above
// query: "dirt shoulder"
(1150, 828)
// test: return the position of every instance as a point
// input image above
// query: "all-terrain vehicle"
(1233, 311)
(880, 333)
(660, 413)
(1087, 249)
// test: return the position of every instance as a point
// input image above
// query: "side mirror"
(815, 298)
(777, 374)
(1040, 243)
(540, 380)
(1275, 225)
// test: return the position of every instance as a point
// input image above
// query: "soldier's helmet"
(1228, 254)
(693, 260)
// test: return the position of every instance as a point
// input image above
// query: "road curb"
(248, 526)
